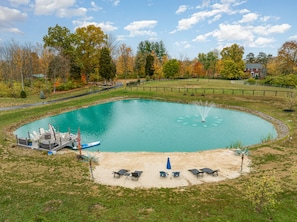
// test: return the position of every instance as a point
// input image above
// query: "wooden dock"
(48, 141)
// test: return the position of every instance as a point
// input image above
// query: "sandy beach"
(228, 163)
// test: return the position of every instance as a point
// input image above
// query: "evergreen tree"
(149, 65)
(107, 68)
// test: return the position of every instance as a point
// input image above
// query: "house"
(256, 70)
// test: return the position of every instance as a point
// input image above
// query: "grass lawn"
(38, 187)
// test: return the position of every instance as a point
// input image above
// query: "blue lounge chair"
(135, 175)
(163, 174)
(196, 172)
(210, 171)
(119, 173)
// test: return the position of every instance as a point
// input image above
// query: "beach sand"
(228, 163)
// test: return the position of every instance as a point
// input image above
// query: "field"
(38, 187)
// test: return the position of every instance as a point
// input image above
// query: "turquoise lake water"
(154, 126)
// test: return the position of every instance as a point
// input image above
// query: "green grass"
(38, 187)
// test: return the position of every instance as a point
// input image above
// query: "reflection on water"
(153, 126)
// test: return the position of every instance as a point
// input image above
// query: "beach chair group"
(165, 174)
(196, 172)
(200, 172)
(137, 174)
(123, 172)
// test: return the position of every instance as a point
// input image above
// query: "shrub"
(263, 191)
(251, 81)
(281, 81)
(23, 94)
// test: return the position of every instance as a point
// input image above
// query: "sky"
(186, 27)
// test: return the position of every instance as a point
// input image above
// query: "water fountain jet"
(204, 108)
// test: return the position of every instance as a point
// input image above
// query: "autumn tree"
(147, 47)
(198, 69)
(209, 61)
(157, 66)
(287, 54)
(107, 67)
(186, 67)
(153, 50)
(125, 61)
(60, 40)
(58, 70)
(171, 68)
(232, 62)
(89, 40)
(139, 64)
(45, 56)
(274, 67)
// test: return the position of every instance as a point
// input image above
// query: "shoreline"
(224, 160)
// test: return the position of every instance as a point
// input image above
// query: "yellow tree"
(287, 54)
(232, 61)
(158, 64)
(198, 69)
(45, 57)
(125, 61)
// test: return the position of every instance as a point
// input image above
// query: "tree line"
(69, 60)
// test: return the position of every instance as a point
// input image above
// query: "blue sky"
(187, 27)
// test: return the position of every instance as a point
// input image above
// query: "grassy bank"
(38, 187)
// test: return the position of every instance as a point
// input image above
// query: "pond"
(154, 126)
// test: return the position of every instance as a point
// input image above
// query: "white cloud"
(8, 17)
(105, 26)
(204, 4)
(139, 28)
(200, 38)
(183, 44)
(181, 9)
(63, 13)
(244, 11)
(185, 24)
(215, 18)
(115, 2)
(237, 3)
(250, 17)
(270, 29)
(95, 7)
(213, 14)
(262, 42)
(120, 38)
(19, 2)
(265, 18)
(229, 33)
(251, 36)
(49, 7)
(293, 37)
